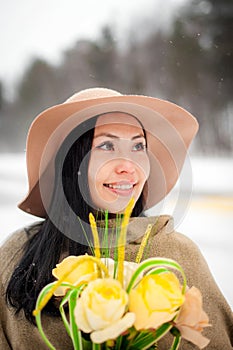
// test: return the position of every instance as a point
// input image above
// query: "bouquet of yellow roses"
(114, 304)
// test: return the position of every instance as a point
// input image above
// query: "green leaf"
(70, 297)
(62, 312)
(157, 271)
(76, 334)
(87, 239)
(42, 294)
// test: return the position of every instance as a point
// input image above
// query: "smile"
(120, 187)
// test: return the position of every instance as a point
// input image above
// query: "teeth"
(120, 187)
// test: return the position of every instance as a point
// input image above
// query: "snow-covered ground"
(207, 218)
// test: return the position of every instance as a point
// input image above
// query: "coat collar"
(138, 225)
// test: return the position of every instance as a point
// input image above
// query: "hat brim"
(170, 129)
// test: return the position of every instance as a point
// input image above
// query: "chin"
(117, 207)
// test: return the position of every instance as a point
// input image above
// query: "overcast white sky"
(45, 28)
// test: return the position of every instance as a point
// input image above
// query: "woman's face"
(119, 164)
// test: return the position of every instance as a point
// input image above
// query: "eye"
(139, 147)
(106, 146)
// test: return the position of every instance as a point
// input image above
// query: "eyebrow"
(117, 137)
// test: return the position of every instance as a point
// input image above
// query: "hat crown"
(92, 93)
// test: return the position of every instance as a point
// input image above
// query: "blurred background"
(180, 50)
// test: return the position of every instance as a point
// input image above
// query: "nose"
(125, 166)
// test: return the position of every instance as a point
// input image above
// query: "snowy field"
(207, 220)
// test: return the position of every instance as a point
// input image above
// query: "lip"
(122, 188)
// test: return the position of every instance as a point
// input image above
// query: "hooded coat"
(17, 333)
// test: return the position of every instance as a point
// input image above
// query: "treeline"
(191, 64)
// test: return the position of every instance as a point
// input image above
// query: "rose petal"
(193, 336)
(156, 319)
(191, 311)
(111, 310)
(136, 305)
(96, 321)
(114, 330)
(80, 317)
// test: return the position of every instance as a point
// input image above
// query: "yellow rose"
(83, 273)
(100, 310)
(155, 300)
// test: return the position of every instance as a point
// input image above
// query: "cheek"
(99, 177)
(144, 167)
(97, 172)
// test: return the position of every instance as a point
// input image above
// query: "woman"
(91, 154)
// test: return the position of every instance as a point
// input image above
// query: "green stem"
(118, 343)
(176, 343)
(177, 338)
(106, 238)
(96, 346)
(117, 230)
(150, 338)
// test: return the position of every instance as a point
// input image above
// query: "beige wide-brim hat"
(169, 129)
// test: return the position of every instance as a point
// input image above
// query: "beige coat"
(18, 334)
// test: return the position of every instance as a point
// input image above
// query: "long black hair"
(59, 234)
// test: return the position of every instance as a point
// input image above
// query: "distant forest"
(190, 64)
